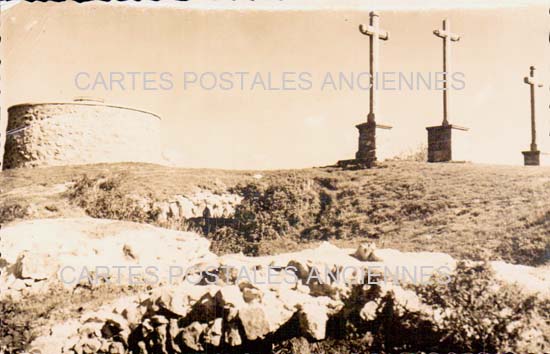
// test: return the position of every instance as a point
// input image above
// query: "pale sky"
(44, 46)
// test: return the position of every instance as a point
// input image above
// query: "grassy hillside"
(470, 211)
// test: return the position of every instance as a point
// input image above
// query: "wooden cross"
(530, 80)
(447, 37)
(375, 33)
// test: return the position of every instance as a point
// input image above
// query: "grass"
(469, 211)
(139, 177)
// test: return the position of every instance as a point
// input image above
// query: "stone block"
(531, 158)
(440, 143)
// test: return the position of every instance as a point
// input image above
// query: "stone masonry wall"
(53, 134)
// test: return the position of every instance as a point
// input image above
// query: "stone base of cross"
(531, 158)
(440, 142)
(365, 157)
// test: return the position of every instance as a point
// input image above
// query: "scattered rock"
(368, 312)
(251, 294)
(255, 321)
(174, 210)
(232, 336)
(191, 335)
(35, 265)
(365, 252)
(173, 333)
(175, 318)
(194, 205)
(213, 334)
(313, 320)
(299, 345)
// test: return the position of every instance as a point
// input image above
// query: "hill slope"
(466, 210)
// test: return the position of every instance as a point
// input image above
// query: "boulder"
(35, 265)
(261, 318)
(232, 335)
(313, 320)
(88, 345)
(186, 207)
(231, 296)
(163, 211)
(251, 294)
(299, 345)
(116, 348)
(174, 302)
(255, 321)
(191, 335)
(532, 280)
(365, 252)
(369, 311)
(213, 333)
(56, 339)
(173, 334)
(174, 210)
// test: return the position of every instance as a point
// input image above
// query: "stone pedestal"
(367, 143)
(531, 158)
(366, 152)
(440, 142)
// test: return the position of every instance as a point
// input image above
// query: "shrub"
(15, 328)
(227, 240)
(102, 197)
(533, 250)
(270, 211)
(528, 243)
(418, 154)
(478, 313)
(11, 211)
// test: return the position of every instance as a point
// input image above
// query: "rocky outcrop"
(242, 301)
(194, 205)
(530, 279)
(71, 251)
(230, 303)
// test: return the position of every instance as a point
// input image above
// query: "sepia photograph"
(275, 177)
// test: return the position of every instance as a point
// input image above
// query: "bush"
(227, 240)
(274, 210)
(474, 312)
(528, 243)
(12, 211)
(15, 328)
(478, 313)
(269, 212)
(21, 318)
(102, 197)
(418, 154)
(533, 250)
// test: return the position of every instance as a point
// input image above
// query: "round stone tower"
(79, 132)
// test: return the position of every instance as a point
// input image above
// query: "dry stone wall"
(53, 134)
